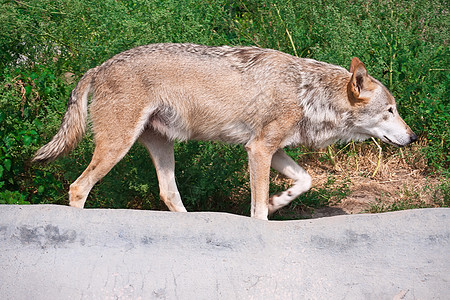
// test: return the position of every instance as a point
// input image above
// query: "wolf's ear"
(359, 82)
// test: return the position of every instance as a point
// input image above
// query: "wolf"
(261, 98)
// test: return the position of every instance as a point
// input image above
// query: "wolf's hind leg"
(288, 167)
(161, 152)
(106, 156)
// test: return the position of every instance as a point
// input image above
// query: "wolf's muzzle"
(412, 138)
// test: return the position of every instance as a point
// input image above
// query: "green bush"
(8, 197)
(403, 43)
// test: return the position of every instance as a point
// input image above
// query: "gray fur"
(261, 98)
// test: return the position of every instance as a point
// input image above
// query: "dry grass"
(402, 181)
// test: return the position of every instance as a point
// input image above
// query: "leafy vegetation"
(46, 45)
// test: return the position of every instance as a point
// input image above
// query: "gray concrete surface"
(57, 252)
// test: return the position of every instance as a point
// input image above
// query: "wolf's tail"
(73, 124)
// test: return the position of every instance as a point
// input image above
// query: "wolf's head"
(374, 109)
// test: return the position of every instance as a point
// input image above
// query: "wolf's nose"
(413, 138)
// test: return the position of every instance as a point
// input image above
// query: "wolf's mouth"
(391, 142)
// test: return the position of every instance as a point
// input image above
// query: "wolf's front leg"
(259, 158)
(288, 167)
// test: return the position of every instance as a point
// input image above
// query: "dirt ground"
(372, 195)
(401, 181)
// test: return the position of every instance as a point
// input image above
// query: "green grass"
(403, 43)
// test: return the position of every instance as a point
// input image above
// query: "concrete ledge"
(57, 252)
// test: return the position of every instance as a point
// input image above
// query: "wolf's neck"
(323, 98)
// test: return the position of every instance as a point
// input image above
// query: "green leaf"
(41, 189)
(7, 164)
(38, 125)
(27, 140)
(26, 112)
(27, 90)
(47, 90)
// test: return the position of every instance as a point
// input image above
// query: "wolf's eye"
(391, 110)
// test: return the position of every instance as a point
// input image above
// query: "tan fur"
(261, 98)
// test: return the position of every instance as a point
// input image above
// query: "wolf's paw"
(77, 204)
(274, 203)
